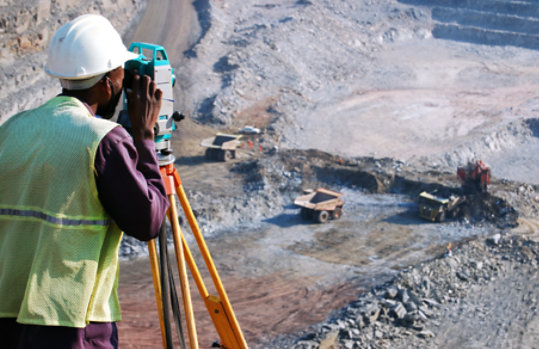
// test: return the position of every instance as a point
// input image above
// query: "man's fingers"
(133, 88)
(152, 88)
(158, 94)
(145, 85)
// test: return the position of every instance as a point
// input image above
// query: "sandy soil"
(437, 109)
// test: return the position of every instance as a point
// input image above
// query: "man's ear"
(105, 81)
(104, 87)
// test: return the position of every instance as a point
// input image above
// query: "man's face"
(115, 80)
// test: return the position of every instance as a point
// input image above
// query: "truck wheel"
(322, 216)
(441, 217)
(337, 213)
(209, 154)
(225, 155)
(305, 213)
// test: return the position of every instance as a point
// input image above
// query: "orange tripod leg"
(180, 258)
(219, 307)
(182, 271)
(154, 263)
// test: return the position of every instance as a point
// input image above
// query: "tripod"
(218, 306)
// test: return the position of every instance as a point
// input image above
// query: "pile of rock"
(406, 312)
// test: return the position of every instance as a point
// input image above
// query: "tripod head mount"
(164, 160)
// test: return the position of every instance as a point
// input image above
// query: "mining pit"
(394, 97)
(282, 273)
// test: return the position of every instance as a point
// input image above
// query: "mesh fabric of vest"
(58, 247)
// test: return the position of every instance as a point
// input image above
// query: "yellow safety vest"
(58, 247)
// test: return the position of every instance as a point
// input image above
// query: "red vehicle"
(474, 177)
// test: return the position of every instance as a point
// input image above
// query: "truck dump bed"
(222, 141)
(435, 208)
(321, 199)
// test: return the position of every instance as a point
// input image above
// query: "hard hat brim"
(127, 56)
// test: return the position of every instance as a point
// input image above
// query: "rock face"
(25, 29)
(485, 22)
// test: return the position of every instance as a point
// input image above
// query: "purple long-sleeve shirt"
(129, 184)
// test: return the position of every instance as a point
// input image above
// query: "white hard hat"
(83, 50)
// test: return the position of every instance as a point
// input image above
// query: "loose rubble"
(408, 311)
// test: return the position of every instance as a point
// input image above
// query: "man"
(70, 183)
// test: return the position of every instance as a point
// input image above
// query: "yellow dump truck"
(436, 209)
(320, 205)
(221, 147)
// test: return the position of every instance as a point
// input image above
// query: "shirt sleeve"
(129, 184)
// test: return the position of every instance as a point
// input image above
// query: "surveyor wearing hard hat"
(71, 182)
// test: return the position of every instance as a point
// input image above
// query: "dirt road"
(171, 24)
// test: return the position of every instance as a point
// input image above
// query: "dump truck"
(221, 147)
(437, 208)
(320, 205)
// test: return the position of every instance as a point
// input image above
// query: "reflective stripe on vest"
(62, 221)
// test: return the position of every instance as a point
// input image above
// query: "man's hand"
(143, 105)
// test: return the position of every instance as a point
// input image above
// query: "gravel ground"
(482, 294)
